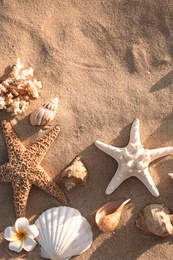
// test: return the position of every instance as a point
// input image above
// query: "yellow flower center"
(21, 235)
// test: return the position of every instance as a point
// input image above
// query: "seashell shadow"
(162, 134)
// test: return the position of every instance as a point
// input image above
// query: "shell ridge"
(43, 253)
(83, 229)
(41, 238)
(67, 239)
(54, 223)
(60, 222)
(59, 229)
(45, 234)
(70, 219)
(48, 219)
(76, 245)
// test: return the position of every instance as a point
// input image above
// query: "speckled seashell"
(108, 216)
(75, 174)
(155, 219)
(45, 114)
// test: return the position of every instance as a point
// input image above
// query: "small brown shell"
(108, 216)
(75, 174)
(155, 219)
(45, 114)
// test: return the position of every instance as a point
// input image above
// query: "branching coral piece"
(18, 88)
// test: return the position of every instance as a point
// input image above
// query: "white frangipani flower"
(21, 236)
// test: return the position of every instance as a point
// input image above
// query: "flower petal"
(21, 224)
(16, 246)
(29, 244)
(10, 234)
(32, 231)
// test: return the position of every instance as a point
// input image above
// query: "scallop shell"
(63, 233)
(108, 216)
(155, 219)
(75, 174)
(45, 114)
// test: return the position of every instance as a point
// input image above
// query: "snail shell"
(108, 216)
(75, 174)
(155, 219)
(45, 114)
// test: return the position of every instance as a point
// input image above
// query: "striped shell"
(45, 114)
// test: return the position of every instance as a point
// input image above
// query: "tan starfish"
(23, 168)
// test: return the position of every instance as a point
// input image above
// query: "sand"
(108, 62)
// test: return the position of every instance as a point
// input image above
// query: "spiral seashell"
(108, 216)
(45, 114)
(74, 175)
(155, 219)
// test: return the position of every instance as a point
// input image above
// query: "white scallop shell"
(63, 233)
(45, 114)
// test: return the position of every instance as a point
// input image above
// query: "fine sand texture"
(109, 62)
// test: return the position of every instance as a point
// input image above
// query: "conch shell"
(155, 219)
(45, 114)
(75, 174)
(108, 216)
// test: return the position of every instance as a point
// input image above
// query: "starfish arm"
(5, 174)
(135, 133)
(43, 181)
(21, 189)
(110, 150)
(118, 178)
(160, 152)
(39, 148)
(14, 145)
(147, 180)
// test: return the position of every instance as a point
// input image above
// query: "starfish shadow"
(162, 134)
(165, 81)
(122, 137)
(162, 137)
(165, 183)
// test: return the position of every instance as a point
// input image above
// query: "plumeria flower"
(21, 236)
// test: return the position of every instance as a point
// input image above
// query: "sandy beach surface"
(109, 62)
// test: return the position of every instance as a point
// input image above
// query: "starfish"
(24, 169)
(133, 160)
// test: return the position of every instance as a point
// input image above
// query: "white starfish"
(133, 160)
